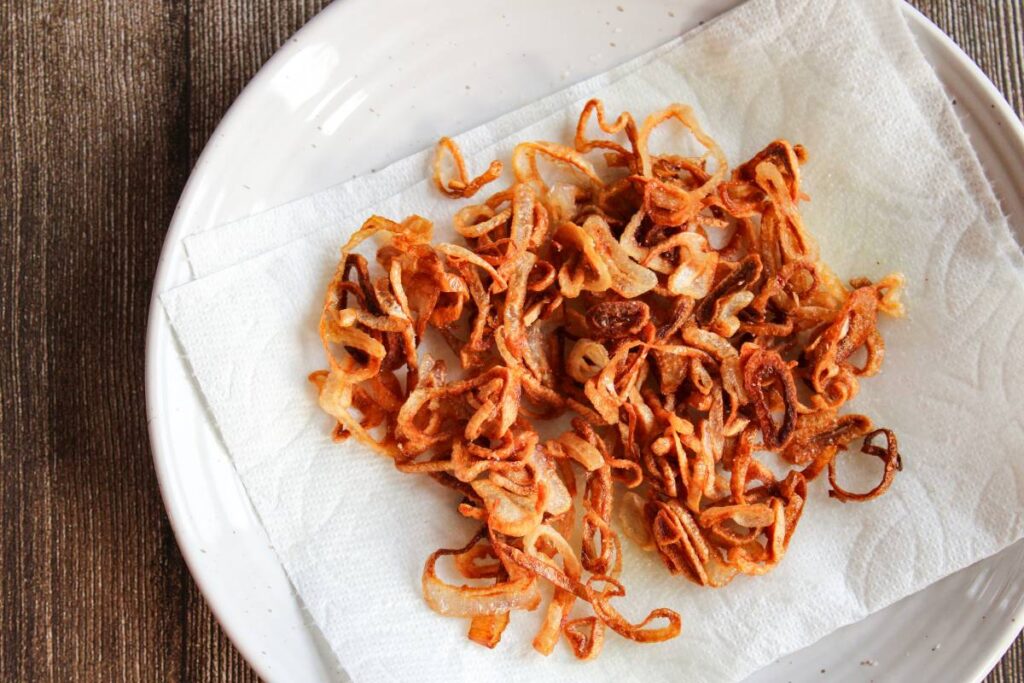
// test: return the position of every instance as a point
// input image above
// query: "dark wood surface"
(105, 107)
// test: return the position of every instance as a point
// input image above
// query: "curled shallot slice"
(890, 457)
(762, 369)
(460, 186)
(473, 601)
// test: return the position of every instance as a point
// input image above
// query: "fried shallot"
(668, 318)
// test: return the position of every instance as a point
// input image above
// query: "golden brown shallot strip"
(460, 186)
(890, 457)
(762, 369)
(473, 601)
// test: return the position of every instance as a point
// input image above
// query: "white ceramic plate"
(368, 82)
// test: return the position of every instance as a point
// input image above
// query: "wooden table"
(105, 107)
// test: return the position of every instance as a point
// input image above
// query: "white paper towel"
(895, 186)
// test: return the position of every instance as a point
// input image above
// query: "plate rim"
(995, 648)
(156, 319)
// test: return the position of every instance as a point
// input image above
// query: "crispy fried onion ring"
(461, 186)
(890, 457)
(617, 154)
(764, 368)
(475, 601)
(676, 310)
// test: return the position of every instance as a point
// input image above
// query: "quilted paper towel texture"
(894, 186)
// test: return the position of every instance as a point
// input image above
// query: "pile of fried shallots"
(673, 314)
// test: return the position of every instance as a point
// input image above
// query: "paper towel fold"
(894, 186)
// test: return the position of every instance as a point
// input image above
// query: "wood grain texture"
(106, 104)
